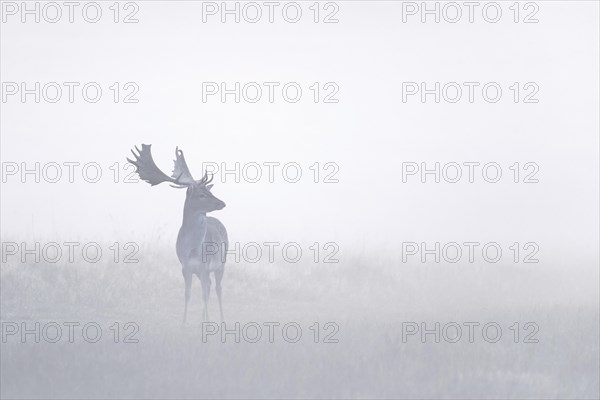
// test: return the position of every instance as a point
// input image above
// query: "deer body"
(202, 241)
(201, 248)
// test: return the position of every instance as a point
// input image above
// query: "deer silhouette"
(202, 241)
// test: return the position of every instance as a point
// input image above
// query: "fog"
(360, 150)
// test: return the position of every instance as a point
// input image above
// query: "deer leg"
(218, 277)
(188, 290)
(205, 281)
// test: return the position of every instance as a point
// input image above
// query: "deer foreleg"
(188, 291)
(218, 277)
(205, 281)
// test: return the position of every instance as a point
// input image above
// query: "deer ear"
(209, 186)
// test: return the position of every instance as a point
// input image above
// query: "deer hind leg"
(205, 281)
(187, 276)
(218, 277)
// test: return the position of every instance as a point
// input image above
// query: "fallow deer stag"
(202, 241)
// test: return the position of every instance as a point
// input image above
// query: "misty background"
(369, 213)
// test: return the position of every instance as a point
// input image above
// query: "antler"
(149, 172)
(205, 179)
(180, 170)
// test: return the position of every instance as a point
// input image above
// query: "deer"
(202, 241)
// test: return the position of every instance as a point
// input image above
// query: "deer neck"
(192, 216)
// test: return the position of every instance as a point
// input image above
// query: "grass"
(367, 297)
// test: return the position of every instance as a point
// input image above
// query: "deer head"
(198, 195)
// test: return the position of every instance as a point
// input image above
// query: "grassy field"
(369, 299)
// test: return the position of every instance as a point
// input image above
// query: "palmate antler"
(147, 169)
(149, 172)
(181, 171)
